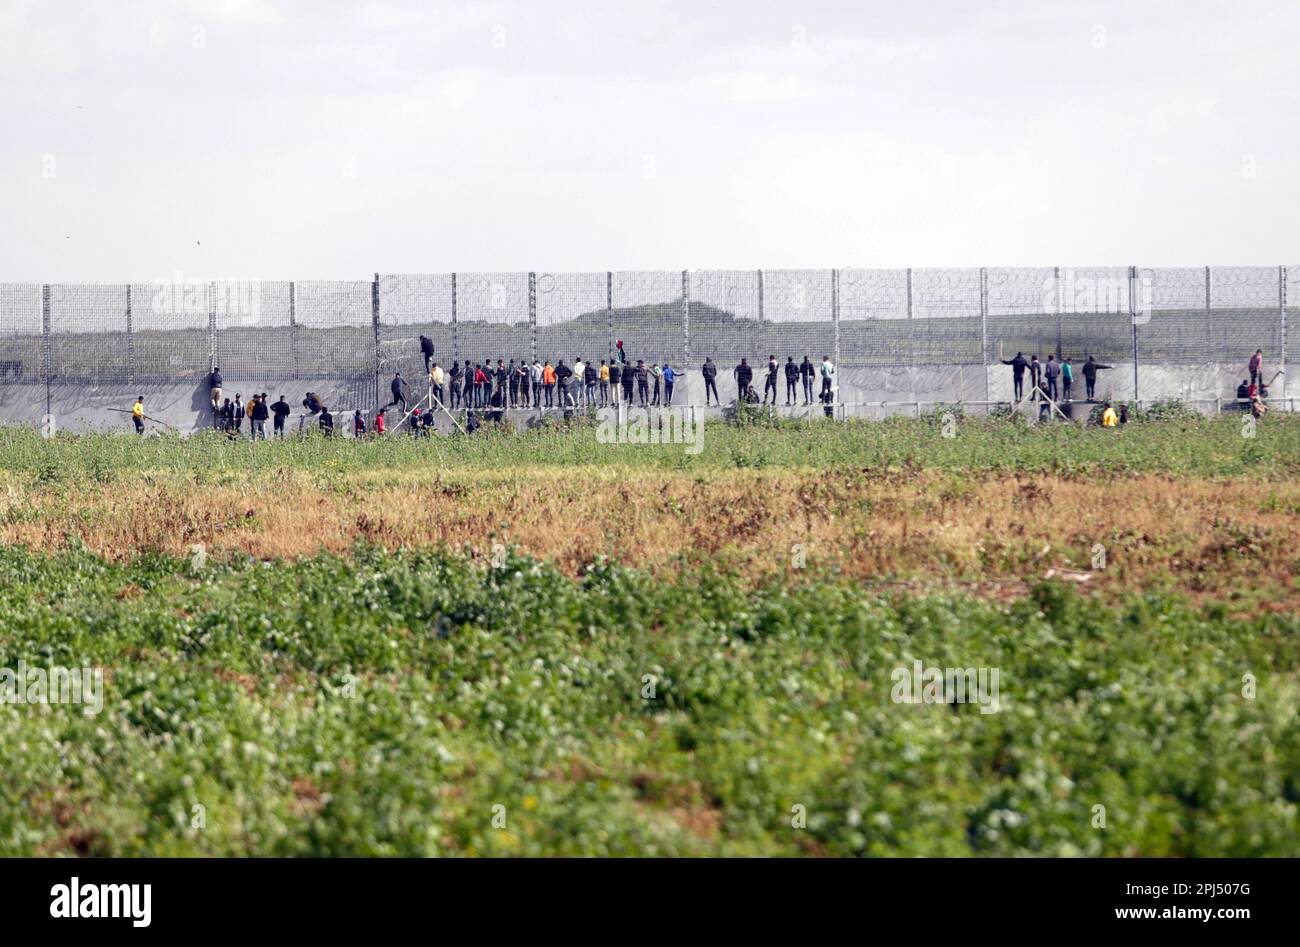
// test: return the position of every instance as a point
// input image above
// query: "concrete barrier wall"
(862, 390)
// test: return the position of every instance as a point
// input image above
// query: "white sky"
(332, 139)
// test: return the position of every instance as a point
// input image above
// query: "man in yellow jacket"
(137, 414)
(1108, 417)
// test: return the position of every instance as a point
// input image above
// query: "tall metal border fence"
(357, 333)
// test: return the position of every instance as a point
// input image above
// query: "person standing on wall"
(806, 372)
(1018, 366)
(769, 383)
(828, 379)
(1051, 371)
(744, 375)
(791, 381)
(1090, 369)
(453, 384)
(436, 378)
(709, 371)
(1067, 379)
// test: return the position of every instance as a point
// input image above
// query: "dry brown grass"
(1225, 538)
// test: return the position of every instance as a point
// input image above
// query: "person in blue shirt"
(669, 377)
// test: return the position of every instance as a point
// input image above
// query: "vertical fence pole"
(1056, 278)
(293, 328)
(1281, 312)
(130, 342)
(212, 329)
(532, 311)
(609, 308)
(455, 338)
(374, 319)
(760, 297)
(686, 319)
(835, 321)
(984, 328)
(47, 353)
(1209, 321)
(1132, 318)
(911, 341)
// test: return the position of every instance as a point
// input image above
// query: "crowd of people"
(486, 391)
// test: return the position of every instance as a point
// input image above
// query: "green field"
(417, 694)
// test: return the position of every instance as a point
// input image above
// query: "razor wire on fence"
(359, 333)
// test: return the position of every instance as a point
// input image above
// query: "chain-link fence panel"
(1095, 314)
(255, 337)
(1023, 313)
(573, 317)
(170, 337)
(492, 321)
(21, 333)
(874, 330)
(1245, 312)
(648, 316)
(411, 306)
(1170, 315)
(89, 344)
(798, 318)
(945, 324)
(726, 315)
(334, 323)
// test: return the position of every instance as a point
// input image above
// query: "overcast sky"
(324, 139)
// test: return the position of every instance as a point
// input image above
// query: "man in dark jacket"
(260, 413)
(562, 375)
(281, 411)
(1018, 366)
(453, 384)
(1090, 369)
(467, 383)
(214, 393)
(807, 372)
(399, 396)
(642, 382)
(590, 376)
(791, 381)
(502, 376)
(1051, 371)
(426, 349)
(710, 373)
(1035, 372)
(628, 378)
(744, 375)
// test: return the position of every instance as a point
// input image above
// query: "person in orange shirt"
(548, 383)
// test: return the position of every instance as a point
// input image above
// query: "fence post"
(686, 318)
(911, 341)
(1132, 318)
(212, 329)
(47, 368)
(609, 308)
(1056, 276)
(130, 342)
(1209, 320)
(293, 328)
(532, 311)
(835, 321)
(760, 297)
(374, 319)
(455, 339)
(1281, 311)
(984, 327)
